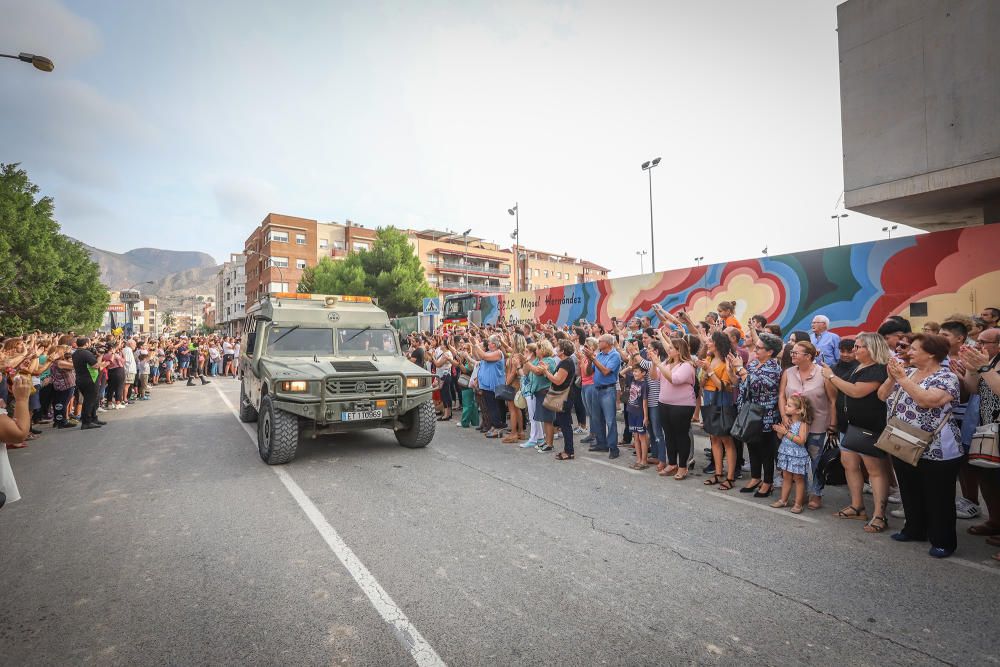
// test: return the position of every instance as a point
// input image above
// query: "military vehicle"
(322, 363)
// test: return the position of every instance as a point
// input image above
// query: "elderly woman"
(804, 378)
(924, 396)
(492, 370)
(545, 364)
(865, 423)
(561, 380)
(759, 382)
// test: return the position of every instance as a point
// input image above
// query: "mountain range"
(177, 275)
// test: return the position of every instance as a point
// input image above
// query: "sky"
(180, 125)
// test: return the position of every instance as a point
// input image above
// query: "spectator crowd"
(65, 381)
(907, 417)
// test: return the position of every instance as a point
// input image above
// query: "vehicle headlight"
(416, 382)
(294, 385)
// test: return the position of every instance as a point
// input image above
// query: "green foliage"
(167, 319)
(47, 280)
(390, 271)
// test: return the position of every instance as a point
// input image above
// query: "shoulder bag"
(556, 400)
(905, 441)
(749, 423)
(984, 452)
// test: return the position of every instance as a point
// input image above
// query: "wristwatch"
(983, 369)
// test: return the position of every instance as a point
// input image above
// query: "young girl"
(793, 457)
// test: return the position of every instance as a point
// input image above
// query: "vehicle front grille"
(370, 386)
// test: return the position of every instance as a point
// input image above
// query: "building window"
(278, 287)
(536, 273)
(300, 264)
(278, 237)
(358, 247)
(279, 261)
(432, 258)
(338, 245)
(546, 274)
(300, 239)
(323, 243)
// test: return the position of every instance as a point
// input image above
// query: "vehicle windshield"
(299, 340)
(366, 341)
(458, 307)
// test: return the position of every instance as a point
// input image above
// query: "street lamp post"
(648, 167)
(890, 230)
(39, 62)
(838, 218)
(641, 253)
(516, 212)
(465, 259)
(764, 251)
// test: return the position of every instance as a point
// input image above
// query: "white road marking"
(985, 566)
(609, 463)
(712, 492)
(411, 639)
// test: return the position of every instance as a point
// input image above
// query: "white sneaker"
(558, 435)
(580, 431)
(101, 410)
(895, 499)
(898, 514)
(966, 509)
(868, 488)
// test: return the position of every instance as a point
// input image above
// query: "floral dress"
(792, 457)
(946, 444)
(761, 387)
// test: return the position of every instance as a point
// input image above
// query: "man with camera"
(87, 368)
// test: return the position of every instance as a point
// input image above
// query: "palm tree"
(167, 319)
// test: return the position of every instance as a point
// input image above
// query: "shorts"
(636, 423)
(154, 371)
(169, 364)
(185, 364)
(130, 378)
(226, 358)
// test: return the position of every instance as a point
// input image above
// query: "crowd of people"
(65, 381)
(795, 411)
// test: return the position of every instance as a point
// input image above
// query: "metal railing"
(474, 287)
(474, 267)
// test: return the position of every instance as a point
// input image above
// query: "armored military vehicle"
(321, 363)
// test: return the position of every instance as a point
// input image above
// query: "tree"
(47, 280)
(390, 271)
(167, 319)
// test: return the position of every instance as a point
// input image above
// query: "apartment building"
(277, 252)
(543, 270)
(230, 295)
(456, 263)
(336, 240)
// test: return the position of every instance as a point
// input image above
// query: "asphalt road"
(163, 539)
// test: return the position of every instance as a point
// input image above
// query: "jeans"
(60, 402)
(604, 419)
(576, 398)
(589, 395)
(814, 445)
(564, 420)
(536, 434)
(657, 441)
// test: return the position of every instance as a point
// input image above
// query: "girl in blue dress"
(793, 457)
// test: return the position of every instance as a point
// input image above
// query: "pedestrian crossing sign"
(431, 306)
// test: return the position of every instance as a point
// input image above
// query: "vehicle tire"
(277, 433)
(419, 426)
(247, 411)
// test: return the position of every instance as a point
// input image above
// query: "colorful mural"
(856, 286)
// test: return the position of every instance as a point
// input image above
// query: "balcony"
(458, 267)
(472, 287)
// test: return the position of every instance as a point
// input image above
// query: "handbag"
(504, 392)
(905, 441)
(828, 467)
(463, 381)
(556, 400)
(720, 418)
(749, 423)
(861, 441)
(984, 452)
(519, 401)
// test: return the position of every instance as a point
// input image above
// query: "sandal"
(796, 509)
(778, 504)
(872, 527)
(983, 529)
(855, 513)
(563, 456)
(680, 476)
(726, 485)
(813, 505)
(712, 481)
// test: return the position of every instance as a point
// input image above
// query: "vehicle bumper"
(330, 411)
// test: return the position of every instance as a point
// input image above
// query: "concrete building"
(276, 253)
(336, 240)
(455, 263)
(543, 270)
(230, 295)
(920, 91)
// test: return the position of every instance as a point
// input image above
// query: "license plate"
(360, 416)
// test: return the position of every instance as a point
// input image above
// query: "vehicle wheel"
(277, 433)
(419, 426)
(247, 411)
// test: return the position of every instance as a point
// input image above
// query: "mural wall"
(856, 286)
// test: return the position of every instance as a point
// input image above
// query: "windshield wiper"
(361, 331)
(275, 341)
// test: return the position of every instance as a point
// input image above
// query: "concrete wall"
(920, 100)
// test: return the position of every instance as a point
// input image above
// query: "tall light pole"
(465, 259)
(517, 243)
(838, 218)
(648, 167)
(764, 251)
(699, 260)
(890, 230)
(641, 253)
(39, 62)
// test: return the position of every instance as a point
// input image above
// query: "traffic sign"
(431, 306)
